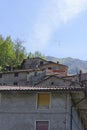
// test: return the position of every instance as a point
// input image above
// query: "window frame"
(16, 74)
(35, 73)
(37, 101)
(43, 121)
(15, 83)
(0, 75)
(49, 68)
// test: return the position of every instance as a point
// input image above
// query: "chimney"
(57, 62)
(80, 75)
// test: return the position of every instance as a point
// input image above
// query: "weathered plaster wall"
(18, 111)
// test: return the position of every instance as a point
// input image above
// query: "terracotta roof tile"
(34, 88)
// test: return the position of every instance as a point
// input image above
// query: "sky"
(56, 28)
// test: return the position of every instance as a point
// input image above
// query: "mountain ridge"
(74, 64)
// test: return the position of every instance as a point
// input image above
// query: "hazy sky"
(54, 27)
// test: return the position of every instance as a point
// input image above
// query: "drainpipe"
(74, 105)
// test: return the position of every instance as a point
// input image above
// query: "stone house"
(32, 71)
(49, 102)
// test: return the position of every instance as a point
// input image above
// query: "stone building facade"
(33, 99)
(32, 71)
(42, 108)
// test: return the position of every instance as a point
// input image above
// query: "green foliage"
(11, 54)
(20, 52)
(7, 54)
(31, 55)
(36, 54)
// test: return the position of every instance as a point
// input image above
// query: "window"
(43, 100)
(15, 84)
(52, 83)
(4, 84)
(35, 73)
(16, 74)
(41, 62)
(49, 68)
(42, 125)
(0, 75)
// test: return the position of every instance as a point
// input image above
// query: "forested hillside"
(75, 65)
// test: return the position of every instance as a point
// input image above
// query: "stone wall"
(33, 63)
(24, 78)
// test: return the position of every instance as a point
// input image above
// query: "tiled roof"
(34, 88)
(56, 76)
(51, 62)
(22, 70)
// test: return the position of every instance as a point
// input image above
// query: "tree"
(13, 53)
(31, 55)
(1, 39)
(38, 54)
(7, 54)
(19, 50)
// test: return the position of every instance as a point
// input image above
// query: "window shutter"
(43, 100)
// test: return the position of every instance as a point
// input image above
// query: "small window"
(0, 75)
(41, 62)
(4, 84)
(35, 73)
(15, 84)
(42, 125)
(16, 74)
(43, 100)
(49, 68)
(52, 83)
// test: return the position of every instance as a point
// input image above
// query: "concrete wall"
(18, 111)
